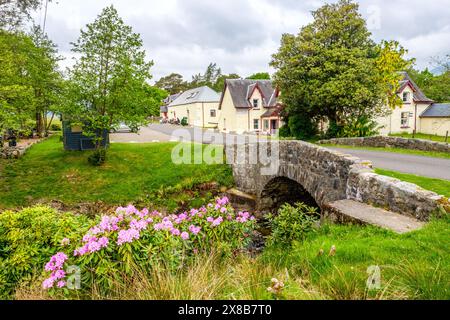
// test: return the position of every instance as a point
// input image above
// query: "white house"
(200, 106)
(249, 106)
(413, 115)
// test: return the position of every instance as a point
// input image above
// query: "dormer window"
(255, 103)
(405, 96)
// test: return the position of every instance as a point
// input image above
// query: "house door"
(273, 126)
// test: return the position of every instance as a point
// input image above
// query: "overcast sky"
(184, 36)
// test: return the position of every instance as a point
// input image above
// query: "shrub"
(132, 240)
(184, 122)
(55, 127)
(28, 239)
(98, 157)
(292, 223)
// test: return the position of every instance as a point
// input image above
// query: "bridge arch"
(281, 190)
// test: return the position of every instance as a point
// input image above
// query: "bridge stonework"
(330, 176)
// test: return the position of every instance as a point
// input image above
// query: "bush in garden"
(292, 223)
(98, 157)
(28, 239)
(140, 240)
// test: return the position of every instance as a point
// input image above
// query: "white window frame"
(406, 96)
(404, 119)
(255, 124)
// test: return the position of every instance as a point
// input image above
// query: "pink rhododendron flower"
(61, 284)
(59, 274)
(194, 230)
(175, 232)
(185, 236)
(48, 283)
(217, 222)
(103, 242)
(223, 210)
(210, 219)
(127, 236)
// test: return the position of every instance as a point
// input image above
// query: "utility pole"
(45, 16)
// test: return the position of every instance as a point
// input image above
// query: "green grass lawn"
(433, 154)
(415, 265)
(421, 136)
(132, 172)
(441, 187)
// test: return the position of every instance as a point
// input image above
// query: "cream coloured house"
(249, 106)
(200, 106)
(418, 113)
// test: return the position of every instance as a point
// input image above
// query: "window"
(212, 113)
(405, 96)
(192, 95)
(266, 124)
(405, 119)
(256, 124)
(255, 103)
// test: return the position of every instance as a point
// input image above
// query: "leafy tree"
(212, 74)
(14, 12)
(260, 76)
(436, 87)
(108, 82)
(220, 83)
(173, 83)
(16, 93)
(332, 69)
(45, 78)
(153, 98)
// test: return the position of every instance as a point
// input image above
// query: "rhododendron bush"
(131, 238)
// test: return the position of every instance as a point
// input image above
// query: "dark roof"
(437, 110)
(242, 89)
(419, 96)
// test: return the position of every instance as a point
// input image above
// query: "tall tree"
(45, 78)
(220, 82)
(14, 12)
(209, 78)
(16, 93)
(109, 79)
(260, 76)
(435, 86)
(333, 70)
(173, 83)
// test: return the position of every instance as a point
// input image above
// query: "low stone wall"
(19, 150)
(12, 152)
(390, 142)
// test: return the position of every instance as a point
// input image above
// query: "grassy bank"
(441, 187)
(132, 173)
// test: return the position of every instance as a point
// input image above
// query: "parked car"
(124, 128)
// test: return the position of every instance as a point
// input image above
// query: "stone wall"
(12, 152)
(330, 176)
(390, 142)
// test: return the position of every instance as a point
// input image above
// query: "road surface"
(407, 163)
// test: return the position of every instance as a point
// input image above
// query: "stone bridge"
(330, 179)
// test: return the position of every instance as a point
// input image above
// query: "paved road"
(167, 132)
(419, 165)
